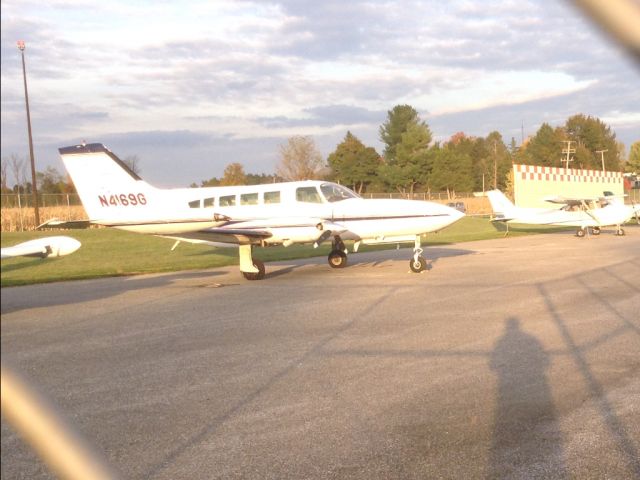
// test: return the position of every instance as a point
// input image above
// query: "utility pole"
(34, 187)
(601, 152)
(568, 151)
(495, 166)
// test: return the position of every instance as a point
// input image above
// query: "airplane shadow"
(524, 228)
(431, 254)
(57, 293)
(25, 264)
(273, 273)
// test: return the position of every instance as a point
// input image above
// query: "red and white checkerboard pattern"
(533, 182)
(557, 174)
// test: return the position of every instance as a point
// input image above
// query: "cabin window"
(308, 195)
(249, 199)
(335, 193)
(194, 204)
(271, 197)
(228, 201)
(208, 202)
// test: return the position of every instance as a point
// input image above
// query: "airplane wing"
(277, 230)
(234, 236)
(43, 247)
(501, 218)
(572, 202)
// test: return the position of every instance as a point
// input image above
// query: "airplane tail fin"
(502, 207)
(107, 187)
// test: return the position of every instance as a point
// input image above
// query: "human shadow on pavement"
(526, 434)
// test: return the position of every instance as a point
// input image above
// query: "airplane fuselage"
(289, 211)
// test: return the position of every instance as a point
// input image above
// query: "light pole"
(602, 152)
(34, 187)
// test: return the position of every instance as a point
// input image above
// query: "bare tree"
(300, 160)
(18, 168)
(4, 165)
(133, 162)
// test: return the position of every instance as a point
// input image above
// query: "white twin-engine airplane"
(248, 216)
(584, 213)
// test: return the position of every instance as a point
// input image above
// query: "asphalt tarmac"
(513, 358)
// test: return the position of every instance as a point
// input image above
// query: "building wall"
(532, 183)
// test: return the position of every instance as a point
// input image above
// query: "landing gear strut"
(338, 256)
(418, 263)
(251, 268)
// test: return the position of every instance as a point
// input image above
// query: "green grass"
(110, 252)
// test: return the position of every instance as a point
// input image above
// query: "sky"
(189, 87)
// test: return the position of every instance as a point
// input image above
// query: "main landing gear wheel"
(620, 232)
(337, 259)
(259, 275)
(595, 230)
(418, 264)
(580, 232)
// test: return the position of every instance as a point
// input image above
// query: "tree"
(354, 164)
(391, 131)
(633, 162)
(51, 181)
(451, 171)
(262, 178)
(499, 159)
(133, 162)
(545, 148)
(18, 167)
(411, 166)
(4, 165)
(233, 175)
(300, 160)
(212, 182)
(592, 135)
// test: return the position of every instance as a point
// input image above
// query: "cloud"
(212, 83)
(326, 116)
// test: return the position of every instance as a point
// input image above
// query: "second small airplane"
(584, 213)
(309, 212)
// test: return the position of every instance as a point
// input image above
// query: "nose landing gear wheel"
(259, 275)
(595, 230)
(620, 232)
(418, 265)
(337, 259)
(580, 232)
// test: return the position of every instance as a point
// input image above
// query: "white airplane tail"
(501, 205)
(107, 187)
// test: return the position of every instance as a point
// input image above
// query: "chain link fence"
(17, 212)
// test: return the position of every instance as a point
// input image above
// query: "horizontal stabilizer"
(64, 224)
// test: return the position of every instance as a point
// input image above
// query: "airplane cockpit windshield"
(336, 193)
